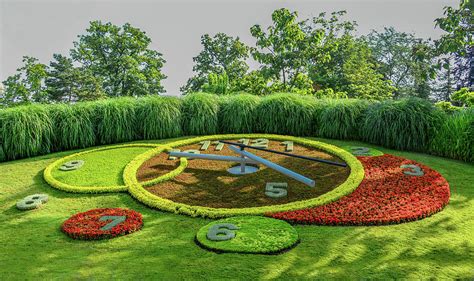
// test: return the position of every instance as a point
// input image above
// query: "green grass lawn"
(32, 246)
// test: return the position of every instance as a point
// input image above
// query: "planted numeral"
(414, 170)
(173, 157)
(219, 145)
(221, 232)
(289, 145)
(276, 189)
(71, 165)
(205, 145)
(115, 220)
(360, 151)
(260, 143)
(244, 141)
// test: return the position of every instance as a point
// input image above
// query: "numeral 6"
(221, 232)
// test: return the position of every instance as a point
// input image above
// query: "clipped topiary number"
(414, 170)
(71, 165)
(115, 220)
(360, 151)
(221, 232)
(276, 189)
(32, 202)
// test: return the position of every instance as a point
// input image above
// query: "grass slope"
(32, 246)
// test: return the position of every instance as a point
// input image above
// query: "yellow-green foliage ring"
(51, 180)
(141, 194)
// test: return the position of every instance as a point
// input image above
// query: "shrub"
(288, 114)
(159, 117)
(407, 124)
(115, 120)
(447, 107)
(199, 114)
(341, 118)
(455, 137)
(73, 127)
(238, 114)
(25, 131)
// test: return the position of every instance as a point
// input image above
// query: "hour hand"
(212, 157)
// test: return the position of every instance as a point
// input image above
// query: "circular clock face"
(221, 184)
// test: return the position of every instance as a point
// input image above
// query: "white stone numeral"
(221, 232)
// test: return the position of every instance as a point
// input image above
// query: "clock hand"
(212, 157)
(274, 166)
(287, 154)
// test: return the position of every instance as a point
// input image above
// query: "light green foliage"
(455, 137)
(437, 247)
(102, 170)
(25, 131)
(238, 114)
(200, 114)
(407, 124)
(464, 97)
(221, 54)
(73, 126)
(66, 83)
(26, 86)
(254, 235)
(115, 120)
(341, 118)
(217, 84)
(121, 58)
(159, 117)
(287, 114)
(447, 107)
(329, 93)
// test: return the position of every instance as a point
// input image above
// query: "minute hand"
(274, 166)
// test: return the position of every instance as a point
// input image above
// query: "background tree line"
(320, 56)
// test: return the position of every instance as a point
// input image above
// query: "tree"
(217, 84)
(220, 54)
(27, 85)
(283, 48)
(120, 57)
(457, 43)
(66, 83)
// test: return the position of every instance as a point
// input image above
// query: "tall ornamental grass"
(73, 126)
(25, 131)
(340, 118)
(115, 120)
(159, 117)
(237, 113)
(200, 114)
(287, 114)
(455, 137)
(407, 124)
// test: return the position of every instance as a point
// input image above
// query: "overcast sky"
(40, 28)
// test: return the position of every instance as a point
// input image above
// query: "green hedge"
(407, 124)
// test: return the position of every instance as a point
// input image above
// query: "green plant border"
(372, 151)
(138, 191)
(49, 178)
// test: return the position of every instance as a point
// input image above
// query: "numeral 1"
(289, 145)
(219, 145)
(205, 145)
(244, 141)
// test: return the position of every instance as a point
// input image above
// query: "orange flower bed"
(388, 194)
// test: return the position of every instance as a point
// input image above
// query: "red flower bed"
(385, 196)
(102, 224)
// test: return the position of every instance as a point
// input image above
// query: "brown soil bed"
(207, 183)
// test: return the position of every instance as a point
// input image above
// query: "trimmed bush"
(159, 117)
(341, 118)
(407, 124)
(73, 127)
(199, 114)
(115, 120)
(455, 137)
(25, 131)
(238, 114)
(288, 114)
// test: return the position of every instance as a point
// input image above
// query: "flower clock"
(240, 179)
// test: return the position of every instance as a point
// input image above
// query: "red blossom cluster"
(87, 225)
(386, 196)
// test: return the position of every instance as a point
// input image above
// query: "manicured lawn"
(32, 246)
